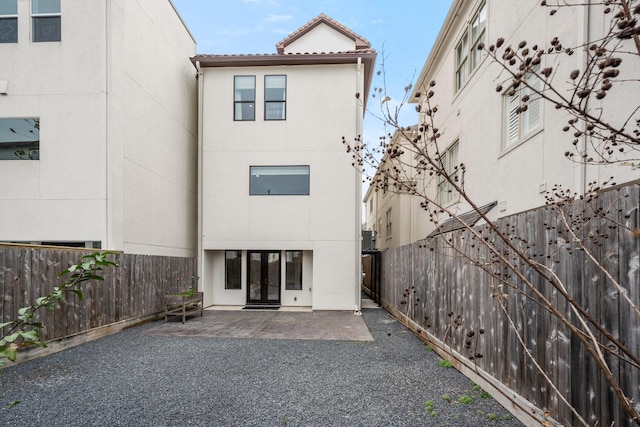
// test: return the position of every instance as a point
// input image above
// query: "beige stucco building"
(280, 210)
(98, 127)
(511, 160)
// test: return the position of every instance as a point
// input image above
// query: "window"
(467, 54)
(389, 228)
(8, 21)
(279, 180)
(446, 192)
(293, 270)
(275, 97)
(244, 105)
(45, 15)
(233, 269)
(521, 111)
(20, 139)
(371, 206)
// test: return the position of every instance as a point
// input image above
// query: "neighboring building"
(389, 206)
(98, 125)
(280, 211)
(511, 160)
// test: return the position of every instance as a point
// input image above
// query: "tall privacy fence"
(132, 291)
(471, 316)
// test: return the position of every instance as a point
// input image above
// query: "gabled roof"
(361, 42)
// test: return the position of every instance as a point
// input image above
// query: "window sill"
(506, 150)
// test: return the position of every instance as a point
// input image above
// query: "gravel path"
(130, 379)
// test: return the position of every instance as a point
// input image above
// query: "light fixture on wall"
(3, 87)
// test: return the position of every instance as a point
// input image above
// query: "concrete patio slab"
(316, 325)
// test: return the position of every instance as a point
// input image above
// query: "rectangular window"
(446, 192)
(293, 270)
(275, 97)
(468, 56)
(389, 225)
(233, 269)
(8, 21)
(244, 98)
(20, 139)
(279, 180)
(46, 18)
(521, 111)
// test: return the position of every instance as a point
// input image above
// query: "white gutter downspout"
(580, 176)
(358, 178)
(200, 255)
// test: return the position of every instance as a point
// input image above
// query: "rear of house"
(280, 202)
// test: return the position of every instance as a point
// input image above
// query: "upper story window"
(522, 111)
(8, 21)
(279, 180)
(20, 139)
(275, 97)
(45, 15)
(446, 192)
(467, 54)
(244, 98)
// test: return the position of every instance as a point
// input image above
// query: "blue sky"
(401, 30)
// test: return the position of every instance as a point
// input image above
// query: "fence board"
(134, 290)
(446, 283)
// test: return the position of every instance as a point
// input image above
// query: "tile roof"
(457, 223)
(361, 42)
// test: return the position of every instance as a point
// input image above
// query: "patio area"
(246, 368)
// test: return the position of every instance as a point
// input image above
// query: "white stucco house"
(279, 201)
(511, 160)
(98, 125)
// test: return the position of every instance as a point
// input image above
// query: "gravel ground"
(129, 379)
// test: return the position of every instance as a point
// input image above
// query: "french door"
(264, 277)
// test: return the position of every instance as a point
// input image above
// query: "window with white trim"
(244, 98)
(8, 21)
(467, 54)
(522, 111)
(449, 159)
(20, 139)
(46, 21)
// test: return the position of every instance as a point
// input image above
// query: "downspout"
(358, 183)
(581, 169)
(108, 202)
(200, 254)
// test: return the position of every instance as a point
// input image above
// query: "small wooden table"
(182, 305)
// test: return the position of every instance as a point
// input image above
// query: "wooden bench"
(182, 305)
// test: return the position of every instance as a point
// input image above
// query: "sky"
(403, 31)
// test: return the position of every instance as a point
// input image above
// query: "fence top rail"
(65, 248)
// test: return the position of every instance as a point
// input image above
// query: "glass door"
(264, 277)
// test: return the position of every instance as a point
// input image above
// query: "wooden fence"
(133, 290)
(454, 304)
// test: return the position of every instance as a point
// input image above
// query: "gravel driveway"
(134, 379)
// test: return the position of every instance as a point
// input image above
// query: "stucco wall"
(116, 98)
(321, 108)
(62, 195)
